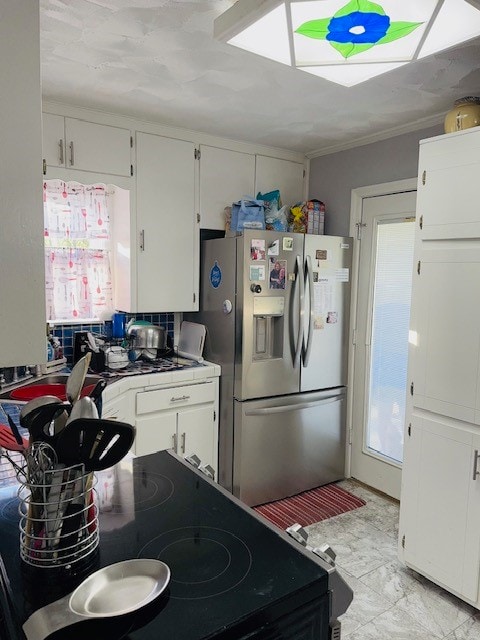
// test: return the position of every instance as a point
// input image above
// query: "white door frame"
(356, 207)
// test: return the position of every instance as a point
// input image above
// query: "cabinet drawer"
(173, 397)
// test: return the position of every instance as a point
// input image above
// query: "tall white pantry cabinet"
(439, 532)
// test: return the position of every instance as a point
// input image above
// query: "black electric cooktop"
(231, 574)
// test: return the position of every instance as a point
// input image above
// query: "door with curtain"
(381, 339)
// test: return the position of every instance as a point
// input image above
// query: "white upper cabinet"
(167, 232)
(448, 193)
(22, 275)
(225, 176)
(86, 146)
(285, 175)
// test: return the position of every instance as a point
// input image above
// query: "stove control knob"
(255, 288)
(298, 533)
(208, 471)
(326, 552)
(193, 460)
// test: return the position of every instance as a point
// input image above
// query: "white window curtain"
(77, 251)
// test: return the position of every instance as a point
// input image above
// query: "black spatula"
(97, 444)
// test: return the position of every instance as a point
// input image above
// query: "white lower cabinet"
(440, 507)
(183, 418)
(117, 408)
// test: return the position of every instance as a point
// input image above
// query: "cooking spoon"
(115, 590)
(84, 408)
(76, 378)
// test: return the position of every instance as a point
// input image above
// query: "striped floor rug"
(310, 506)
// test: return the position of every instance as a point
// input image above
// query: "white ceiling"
(157, 60)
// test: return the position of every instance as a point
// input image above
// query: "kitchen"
(331, 178)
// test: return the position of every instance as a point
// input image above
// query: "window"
(77, 251)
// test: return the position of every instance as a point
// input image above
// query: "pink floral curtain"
(77, 251)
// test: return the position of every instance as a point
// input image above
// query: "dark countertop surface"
(230, 572)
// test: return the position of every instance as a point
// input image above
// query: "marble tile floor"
(391, 602)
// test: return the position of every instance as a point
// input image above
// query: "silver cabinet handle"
(184, 440)
(179, 398)
(72, 154)
(60, 152)
(175, 442)
(476, 472)
(142, 240)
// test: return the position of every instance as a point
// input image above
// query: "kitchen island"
(233, 574)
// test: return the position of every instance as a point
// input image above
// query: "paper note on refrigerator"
(322, 300)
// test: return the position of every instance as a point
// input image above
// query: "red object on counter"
(38, 390)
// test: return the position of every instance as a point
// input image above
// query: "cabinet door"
(285, 175)
(116, 408)
(155, 433)
(97, 147)
(196, 434)
(22, 273)
(446, 318)
(167, 269)
(448, 186)
(441, 504)
(225, 177)
(53, 140)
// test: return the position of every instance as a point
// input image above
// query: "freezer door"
(328, 265)
(286, 445)
(270, 286)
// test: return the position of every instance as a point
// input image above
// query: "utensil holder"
(58, 516)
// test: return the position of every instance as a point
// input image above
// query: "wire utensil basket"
(58, 513)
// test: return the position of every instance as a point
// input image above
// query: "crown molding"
(422, 123)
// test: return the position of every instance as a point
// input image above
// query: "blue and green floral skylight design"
(357, 27)
(347, 41)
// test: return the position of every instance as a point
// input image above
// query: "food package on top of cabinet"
(248, 213)
(308, 217)
(276, 216)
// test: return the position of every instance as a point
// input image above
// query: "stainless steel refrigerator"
(276, 308)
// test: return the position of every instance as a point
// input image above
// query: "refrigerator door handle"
(301, 307)
(309, 275)
(293, 407)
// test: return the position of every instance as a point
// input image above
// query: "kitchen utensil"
(33, 404)
(98, 444)
(115, 590)
(76, 379)
(96, 395)
(8, 441)
(39, 421)
(84, 408)
(14, 428)
(147, 336)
